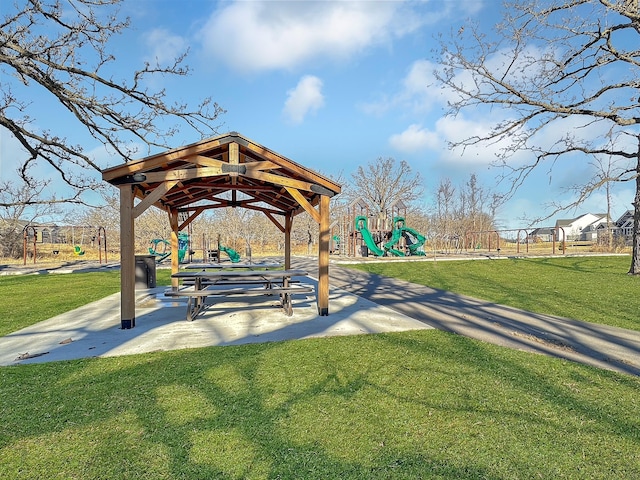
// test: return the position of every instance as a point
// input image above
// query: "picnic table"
(197, 286)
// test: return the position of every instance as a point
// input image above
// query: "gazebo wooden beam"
(153, 197)
(288, 225)
(298, 197)
(275, 221)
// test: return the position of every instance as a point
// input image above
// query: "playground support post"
(102, 234)
(564, 238)
(25, 234)
(498, 240)
(526, 236)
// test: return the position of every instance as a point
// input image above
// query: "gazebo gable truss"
(226, 171)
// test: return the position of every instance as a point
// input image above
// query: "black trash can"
(364, 250)
(145, 271)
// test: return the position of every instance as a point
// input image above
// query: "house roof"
(625, 218)
(225, 171)
(565, 222)
(542, 231)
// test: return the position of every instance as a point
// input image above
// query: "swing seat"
(78, 250)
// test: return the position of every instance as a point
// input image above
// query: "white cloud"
(457, 129)
(164, 46)
(415, 139)
(450, 130)
(419, 92)
(263, 35)
(305, 98)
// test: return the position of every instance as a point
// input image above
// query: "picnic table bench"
(203, 284)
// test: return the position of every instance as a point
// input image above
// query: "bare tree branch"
(62, 47)
(385, 182)
(550, 61)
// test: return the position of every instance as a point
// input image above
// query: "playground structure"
(213, 254)
(358, 233)
(55, 240)
(231, 253)
(161, 248)
(400, 237)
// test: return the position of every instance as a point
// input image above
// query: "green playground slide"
(412, 244)
(183, 244)
(420, 239)
(361, 226)
(396, 236)
(154, 250)
(370, 242)
(233, 255)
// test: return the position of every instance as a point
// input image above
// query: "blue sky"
(331, 85)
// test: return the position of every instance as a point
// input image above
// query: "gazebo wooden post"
(175, 260)
(127, 259)
(323, 257)
(288, 225)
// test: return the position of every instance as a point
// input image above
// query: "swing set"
(58, 237)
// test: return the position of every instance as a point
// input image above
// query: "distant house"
(624, 225)
(582, 228)
(45, 233)
(544, 234)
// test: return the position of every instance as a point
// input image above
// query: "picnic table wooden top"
(216, 266)
(203, 274)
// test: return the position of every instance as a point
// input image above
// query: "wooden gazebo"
(226, 171)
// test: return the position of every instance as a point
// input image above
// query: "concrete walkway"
(94, 329)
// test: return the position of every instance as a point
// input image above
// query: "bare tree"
(385, 182)
(561, 69)
(19, 206)
(107, 216)
(475, 211)
(461, 210)
(444, 210)
(62, 47)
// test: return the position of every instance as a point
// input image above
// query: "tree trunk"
(635, 251)
(609, 229)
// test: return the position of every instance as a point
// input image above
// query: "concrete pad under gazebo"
(225, 171)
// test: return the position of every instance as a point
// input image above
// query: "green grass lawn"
(593, 289)
(423, 404)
